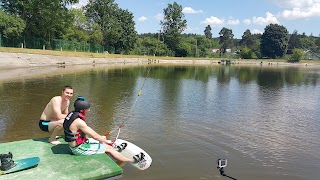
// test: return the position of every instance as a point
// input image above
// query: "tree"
(274, 41)
(317, 43)
(116, 25)
(173, 25)
(207, 32)
(247, 40)
(183, 50)
(128, 33)
(297, 55)
(246, 53)
(11, 26)
(294, 40)
(226, 39)
(44, 18)
(77, 31)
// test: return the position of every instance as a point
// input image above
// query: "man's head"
(67, 93)
(81, 105)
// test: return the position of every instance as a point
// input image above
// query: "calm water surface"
(264, 120)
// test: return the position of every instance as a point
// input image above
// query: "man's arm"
(90, 132)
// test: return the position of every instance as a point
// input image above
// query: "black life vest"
(70, 136)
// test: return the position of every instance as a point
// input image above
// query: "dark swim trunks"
(44, 125)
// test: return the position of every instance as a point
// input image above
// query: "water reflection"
(264, 120)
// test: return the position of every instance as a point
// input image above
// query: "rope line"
(121, 124)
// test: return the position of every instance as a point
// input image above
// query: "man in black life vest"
(76, 129)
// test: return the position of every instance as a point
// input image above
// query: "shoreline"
(25, 65)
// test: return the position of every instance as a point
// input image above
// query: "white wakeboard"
(129, 150)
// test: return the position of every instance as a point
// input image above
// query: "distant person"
(52, 117)
(76, 129)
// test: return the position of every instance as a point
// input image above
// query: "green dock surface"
(56, 162)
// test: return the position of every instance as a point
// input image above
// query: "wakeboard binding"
(6, 161)
(122, 146)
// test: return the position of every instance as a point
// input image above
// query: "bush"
(246, 53)
(296, 56)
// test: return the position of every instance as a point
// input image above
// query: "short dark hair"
(66, 87)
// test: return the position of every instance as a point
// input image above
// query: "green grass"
(91, 55)
(104, 55)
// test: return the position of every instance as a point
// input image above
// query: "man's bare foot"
(55, 142)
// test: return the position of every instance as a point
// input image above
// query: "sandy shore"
(21, 65)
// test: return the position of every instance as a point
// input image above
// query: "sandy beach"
(22, 65)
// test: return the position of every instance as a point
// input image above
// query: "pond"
(263, 120)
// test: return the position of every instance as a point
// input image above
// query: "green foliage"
(76, 31)
(251, 42)
(116, 25)
(102, 22)
(274, 41)
(307, 43)
(148, 44)
(173, 25)
(44, 18)
(183, 50)
(247, 40)
(294, 40)
(297, 55)
(317, 42)
(246, 53)
(65, 45)
(11, 26)
(226, 39)
(207, 32)
(128, 35)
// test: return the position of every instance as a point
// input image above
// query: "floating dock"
(57, 162)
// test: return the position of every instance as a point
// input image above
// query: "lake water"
(264, 120)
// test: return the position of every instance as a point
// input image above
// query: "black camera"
(222, 163)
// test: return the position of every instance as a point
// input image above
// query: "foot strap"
(122, 146)
(6, 161)
(139, 157)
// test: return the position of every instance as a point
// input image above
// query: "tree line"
(104, 22)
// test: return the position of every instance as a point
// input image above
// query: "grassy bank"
(105, 55)
(82, 54)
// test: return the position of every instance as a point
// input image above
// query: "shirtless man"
(53, 115)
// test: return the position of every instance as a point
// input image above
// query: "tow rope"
(125, 119)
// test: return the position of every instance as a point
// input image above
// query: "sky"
(237, 15)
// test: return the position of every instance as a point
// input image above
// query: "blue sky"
(238, 15)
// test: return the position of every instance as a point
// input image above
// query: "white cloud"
(301, 13)
(298, 9)
(213, 20)
(189, 10)
(142, 18)
(256, 31)
(233, 22)
(270, 18)
(296, 3)
(247, 21)
(80, 4)
(159, 17)
(191, 29)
